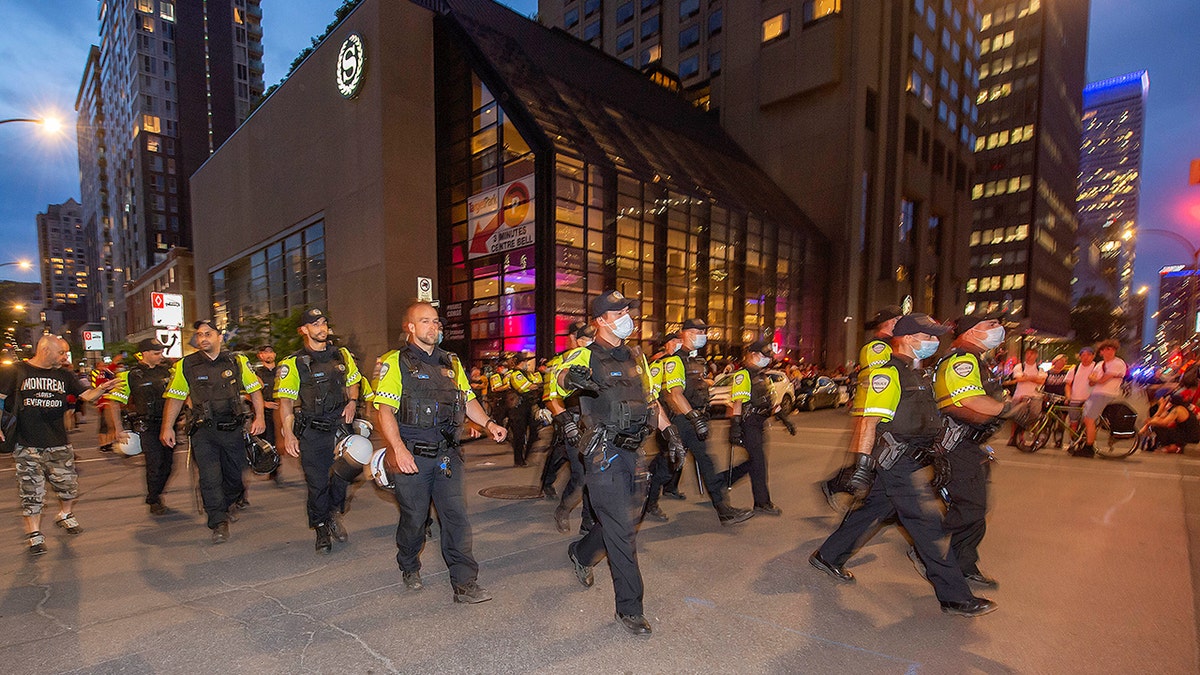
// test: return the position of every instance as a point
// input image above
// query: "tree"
(254, 331)
(1094, 319)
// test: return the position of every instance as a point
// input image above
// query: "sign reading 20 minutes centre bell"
(350, 63)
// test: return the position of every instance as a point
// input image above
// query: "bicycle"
(1116, 429)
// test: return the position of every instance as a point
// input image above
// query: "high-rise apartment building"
(863, 112)
(1110, 168)
(1032, 65)
(175, 78)
(95, 194)
(62, 249)
(1178, 302)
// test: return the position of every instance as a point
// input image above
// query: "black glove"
(579, 378)
(675, 450)
(735, 431)
(567, 427)
(941, 471)
(699, 423)
(863, 476)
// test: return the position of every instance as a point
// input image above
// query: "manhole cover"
(511, 492)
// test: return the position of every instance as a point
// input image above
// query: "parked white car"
(782, 393)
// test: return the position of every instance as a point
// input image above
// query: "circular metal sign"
(350, 62)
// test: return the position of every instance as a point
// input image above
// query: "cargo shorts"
(36, 466)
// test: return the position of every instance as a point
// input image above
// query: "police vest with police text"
(621, 403)
(695, 387)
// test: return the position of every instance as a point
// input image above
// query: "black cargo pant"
(524, 429)
(556, 456)
(220, 458)
(966, 516)
(903, 491)
(414, 492)
(326, 490)
(753, 428)
(713, 481)
(617, 492)
(159, 460)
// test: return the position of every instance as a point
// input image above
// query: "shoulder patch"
(964, 368)
(655, 370)
(383, 368)
(878, 347)
(880, 382)
(283, 371)
(739, 378)
(670, 366)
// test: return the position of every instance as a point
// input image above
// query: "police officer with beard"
(266, 374)
(421, 397)
(618, 412)
(685, 391)
(895, 428)
(317, 389)
(664, 475)
(213, 380)
(140, 392)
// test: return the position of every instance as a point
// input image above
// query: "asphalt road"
(1097, 563)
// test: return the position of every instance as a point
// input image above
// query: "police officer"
(139, 391)
(498, 393)
(213, 379)
(526, 384)
(893, 431)
(317, 388)
(421, 397)
(751, 404)
(873, 354)
(266, 374)
(563, 446)
(969, 393)
(664, 475)
(685, 391)
(618, 412)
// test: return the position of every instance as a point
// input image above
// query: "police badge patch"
(383, 370)
(341, 367)
(740, 378)
(879, 383)
(878, 347)
(283, 372)
(670, 366)
(227, 373)
(964, 368)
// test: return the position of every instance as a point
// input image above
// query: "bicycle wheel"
(1035, 437)
(1111, 445)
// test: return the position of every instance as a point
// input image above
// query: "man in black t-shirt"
(36, 391)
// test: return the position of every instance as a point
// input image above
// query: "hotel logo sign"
(350, 62)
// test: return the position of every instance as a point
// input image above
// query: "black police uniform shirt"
(407, 383)
(42, 395)
(140, 390)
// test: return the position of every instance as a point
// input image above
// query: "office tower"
(62, 250)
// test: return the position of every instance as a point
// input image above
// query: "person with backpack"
(1105, 381)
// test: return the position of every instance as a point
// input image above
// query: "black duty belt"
(230, 425)
(323, 426)
(423, 449)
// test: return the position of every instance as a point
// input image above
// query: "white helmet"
(379, 471)
(350, 455)
(362, 427)
(130, 447)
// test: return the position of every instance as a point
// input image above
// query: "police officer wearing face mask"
(618, 412)
(894, 429)
(525, 382)
(750, 400)
(213, 379)
(972, 396)
(685, 390)
(564, 449)
(140, 392)
(317, 389)
(664, 476)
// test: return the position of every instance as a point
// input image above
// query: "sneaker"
(917, 562)
(67, 522)
(471, 594)
(582, 572)
(324, 541)
(560, 520)
(768, 509)
(412, 581)
(37, 543)
(158, 509)
(729, 515)
(336, 529)
(656, 513)
(220, 533)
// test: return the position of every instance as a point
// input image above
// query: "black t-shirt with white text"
(43, 396)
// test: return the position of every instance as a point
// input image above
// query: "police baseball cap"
(694, 324)
(265, 348)
(150, 345)
(206, 322)
(886, 314)
(969, 321)
(582, 329)
(311, 315)
(911, 324)
(764, 347)
(612, 301)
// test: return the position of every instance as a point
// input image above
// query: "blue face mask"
(926, 350)
(700, 341)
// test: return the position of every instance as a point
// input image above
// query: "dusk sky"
(43, 51)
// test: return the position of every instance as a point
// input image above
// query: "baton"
(193, 469)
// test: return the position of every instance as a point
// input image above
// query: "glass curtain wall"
(275, 279)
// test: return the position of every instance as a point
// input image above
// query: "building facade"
(1032, 72)
(62, 250)
(862, 112)
(1176, 320)
(95, 194)
(175, 275)
(530, 174)
(175, 78)
(1110, 168)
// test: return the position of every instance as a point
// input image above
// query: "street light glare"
(52, 124)
(24, 264)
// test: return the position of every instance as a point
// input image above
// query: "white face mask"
(761, 361)
(701, 340)
(926, 350)
(623, 328)
(588, 343)
(994, 336)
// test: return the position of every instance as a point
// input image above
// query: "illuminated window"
(167, 10)
(651, 54)
(150, 123)
(237, 16)
(776, 27)
(815, 10)
(152, 143)
(145, 6)
(147, 24)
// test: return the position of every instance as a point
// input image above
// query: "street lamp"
(23, 264)
(51, 124)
